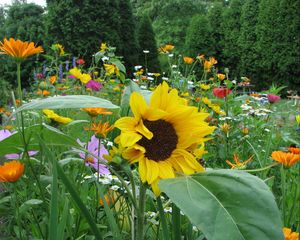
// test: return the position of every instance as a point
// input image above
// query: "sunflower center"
(163, 143)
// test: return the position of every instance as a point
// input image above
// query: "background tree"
(82, 29)
(231, 29)
(214, 17)
(25, 22)
(128, 35)
(146, 39)
(199, 38)
(249, 56)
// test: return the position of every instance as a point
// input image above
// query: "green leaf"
(119, 65)
(226, 204)
(70, 101)
(51, 136)
(29, 204)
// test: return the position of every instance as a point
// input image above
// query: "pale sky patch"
(39, 2)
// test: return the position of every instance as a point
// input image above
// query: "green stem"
(19, 82)
(176, 222)
(141, 212)
(162, 219)
(283, 192)
(17, 215)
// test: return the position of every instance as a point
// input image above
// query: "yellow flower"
(225, 128)
(290, 235)
(11, 171)
(117, 89)
(83, 77)
(55, 117)
(100, 129)
(96, 111)
(205, 86)
(18, 49)
(111, 69)
(245, 131)
(166, 48)
(156, 74)
(188, 60)
(221, 76)
(285, 158)
(185, 94)
(140, 72)
(53, 79)
(298, 119)
(238, 164)
(58, 47)
(160, 135)
(103, 47)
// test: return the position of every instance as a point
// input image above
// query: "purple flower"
(95, 86)
(5, 134)
(39, 75)
(74, 62)
(61, 74)
(90, 160)
(67, 65)
(44, 70)
(273, 98)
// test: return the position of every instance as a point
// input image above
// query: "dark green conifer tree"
(249, 57)
(146, 39)
(231, 29)
(199, 38)
(128, 35)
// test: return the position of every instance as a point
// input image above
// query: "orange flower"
(11, 171)
(53, 79)
(108, 199)
(238, 164)
(93, 112)
(100, 130)
(18, 102)
(294, 150)
(289, 235)
(2, 109)
(166, 49)
(45, 93)
(245, 131)
(18, 49)
(285, 158)
(8, 127)
(188, 60)
(221, 76)
(8, 114)
(201, 57)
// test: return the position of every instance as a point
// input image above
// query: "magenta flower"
(95, 86)
(273, 98)
(90, 160)
(5, 134)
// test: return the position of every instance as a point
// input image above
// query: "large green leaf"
(227, 204)
(51, 136)
(70, 101)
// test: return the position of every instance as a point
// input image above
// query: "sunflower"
(163, 135)
(18, 49)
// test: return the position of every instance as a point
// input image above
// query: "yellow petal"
(126, 124)
(165, 170)
(152, 170)
(155, 188)
(143, 169)
(128, 139)
(143, 130)
(138, 105)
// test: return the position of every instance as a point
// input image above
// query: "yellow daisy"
(163, 135)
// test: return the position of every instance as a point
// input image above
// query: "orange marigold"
(100, 130)
(290, 235)
(285, 158)
(188, 60)
(11, 171)
(93, 112)
(294, 150)
(18, 49)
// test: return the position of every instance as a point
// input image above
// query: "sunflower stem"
(162, 219)
(19, 81)
(141, 212)
(176, 222)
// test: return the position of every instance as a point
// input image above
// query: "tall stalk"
(141, 212)
(19, 82)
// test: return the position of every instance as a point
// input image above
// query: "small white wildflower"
(150, 78)
(233, 81)
(171, 55)
(114, 187)
(138, 67)
(174, 66)
(104, 59)
(165, 78)
(168, 210)
(146, 51)
(267, 130)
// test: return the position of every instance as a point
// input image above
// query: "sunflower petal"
(128, 139)
(138, 105)
(152, 171)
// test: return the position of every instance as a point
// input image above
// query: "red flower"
(221, 92)
(80, 61)
(273, 98)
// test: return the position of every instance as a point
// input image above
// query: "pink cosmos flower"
(90, 160)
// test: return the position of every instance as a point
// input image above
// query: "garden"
(120, 127)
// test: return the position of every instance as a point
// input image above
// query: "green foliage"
(82, 29)
(231, 29)
(199, 39)
(128, 35)
(249, 57)
(24, 22)
(206, 198)
(215, 21)
(146, 39)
